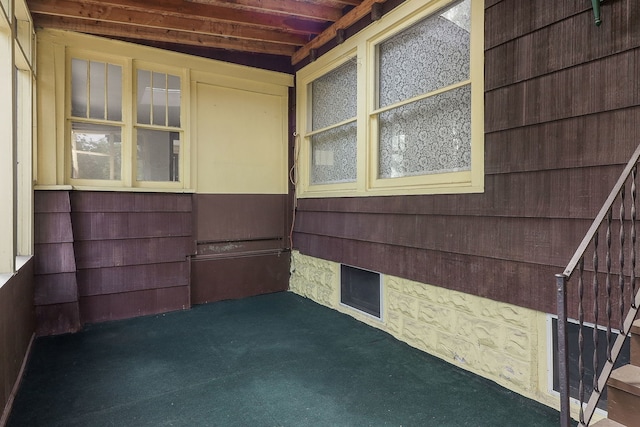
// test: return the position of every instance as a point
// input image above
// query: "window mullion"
(105, 107)
(166, 99)
(88, 90)
(151, 96)
(128, 131)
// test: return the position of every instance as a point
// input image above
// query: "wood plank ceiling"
(290, 28)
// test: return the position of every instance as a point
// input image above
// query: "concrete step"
(606, 422)
(623, 401)
(635, 343)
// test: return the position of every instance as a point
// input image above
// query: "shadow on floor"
(272, 360)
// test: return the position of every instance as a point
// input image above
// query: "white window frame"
(184, 87)
(306, 153)
(128, 124)
(17, 52)
(363, 47)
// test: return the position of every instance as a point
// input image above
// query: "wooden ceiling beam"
(163, 35)
(340, 3)
(156, 20)
(327, 35)
(188, 10)
(304, 9)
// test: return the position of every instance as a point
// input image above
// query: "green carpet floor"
(272, 360)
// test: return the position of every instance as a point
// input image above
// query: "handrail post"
(563, 351)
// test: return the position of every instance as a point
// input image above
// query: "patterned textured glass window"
(333, 143)
(427, 132)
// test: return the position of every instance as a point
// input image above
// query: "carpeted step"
(624, 395)
(635, 343)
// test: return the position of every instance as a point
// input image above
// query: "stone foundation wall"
(498, 341)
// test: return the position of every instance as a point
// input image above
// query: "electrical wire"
(293, 179)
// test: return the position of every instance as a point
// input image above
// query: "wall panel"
(123, 305)
(239, 277)
(17, 326)
(226, 217)
(243, 141)
(241, 246)
(102, 281)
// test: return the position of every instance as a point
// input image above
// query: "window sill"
(397, 191)
(21, 261)
(121, 189)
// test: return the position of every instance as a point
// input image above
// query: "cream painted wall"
(236, 122)
(242, 144)
(498, 341)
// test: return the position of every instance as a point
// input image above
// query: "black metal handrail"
(627, 314)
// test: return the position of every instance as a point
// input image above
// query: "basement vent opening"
(361, 290)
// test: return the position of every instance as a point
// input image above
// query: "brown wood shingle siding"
(240, 246)
(112, 255)
(238, 217)
(131, 253)
(55, 286)
(17, 318)
(238, 277)
(562, 117)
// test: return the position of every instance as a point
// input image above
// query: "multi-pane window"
(96, 125)
(424, 96)
(102, 134)
(334, 126)
(402, 115)
(158, 122)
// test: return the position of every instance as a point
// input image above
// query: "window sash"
(363, 49)
(333, 122)
(158, 98)
(96, 90)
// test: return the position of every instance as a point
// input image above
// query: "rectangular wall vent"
(361, 289)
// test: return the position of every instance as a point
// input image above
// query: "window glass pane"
(334, 96)
(174, 100)
(79, 87)
(158, 155)
(430, 55)
(114, 92)
(144, 97)
(428, 136)
(334, 155)
(96, 151)
(159, 99)
(97, 90)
